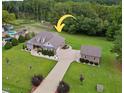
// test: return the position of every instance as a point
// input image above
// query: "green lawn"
(18, 70)
(107, 74)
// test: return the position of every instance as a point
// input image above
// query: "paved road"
(50, 83)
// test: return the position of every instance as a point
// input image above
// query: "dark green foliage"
(81, 78)
(91, 18)
(36, 80)
(8, 45)
(112, 31)
(63, 87)
(108, 2)
(82, 60)
(118, 45)
(91, 62)
(87, 61)
(14, 42)
(48, 52)
(24, 46)
(96, 63)
(21, 39)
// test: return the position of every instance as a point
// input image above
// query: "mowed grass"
(18, 72)
(107, 74)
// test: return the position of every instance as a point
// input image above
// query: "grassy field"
(107, 74)
(18, 73)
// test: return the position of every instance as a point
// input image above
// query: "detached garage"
(90, 54)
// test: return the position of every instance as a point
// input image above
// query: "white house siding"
(16, 36)
(91, 58)
(29, 46)
(48, 44)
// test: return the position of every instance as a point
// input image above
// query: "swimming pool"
(11, 33)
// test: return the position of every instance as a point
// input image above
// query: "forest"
(93, 17)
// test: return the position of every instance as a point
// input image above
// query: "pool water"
(11, 33)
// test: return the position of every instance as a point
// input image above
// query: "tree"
(101, 19)
(27, 36)
(81, 78)
(32, 34)
(24, 46)
(7, 60)
(63, 87)
(7, 17)
(36, 80)
(112, 30)
(14, 42)
(8, 45)
(118, 45)
(21, 39)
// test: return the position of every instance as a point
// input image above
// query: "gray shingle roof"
(91, 51)
(56, 41)
(20, 32)
(43, 37)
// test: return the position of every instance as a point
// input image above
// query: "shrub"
(65, 47)
(87, 61)
(91, 62)
(48, 52)
(14, 42)
(51, 53)
(8, 45)
(96, 63)
(24, 46)
(63, 87)
(36, 80)
(44, 52)
(81, 78)
(82, 60)
(21, 39)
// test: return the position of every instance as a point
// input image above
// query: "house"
(46, 40)
(22, 32)
(4, 34)
(91, 53)
(7, 27)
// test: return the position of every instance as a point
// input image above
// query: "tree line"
(107, 2)
(92, 19)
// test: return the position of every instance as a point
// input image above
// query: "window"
(43, 40)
